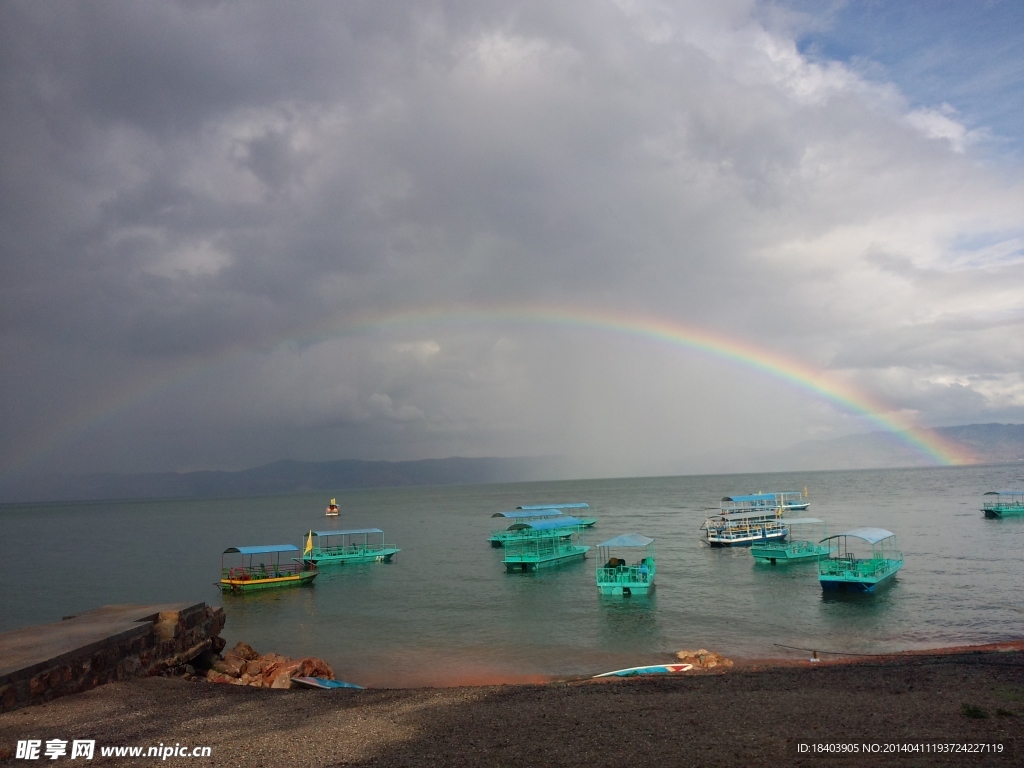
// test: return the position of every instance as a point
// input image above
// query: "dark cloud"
(202, 202)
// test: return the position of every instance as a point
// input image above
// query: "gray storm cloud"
(203, 202)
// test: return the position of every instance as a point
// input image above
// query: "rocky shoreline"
(752, 714)
(243, 665)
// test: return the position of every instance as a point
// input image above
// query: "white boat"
(332, 508)
(741, 529)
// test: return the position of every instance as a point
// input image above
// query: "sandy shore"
(752, 715)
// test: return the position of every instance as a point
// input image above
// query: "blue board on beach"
(324, 683)
(654, 669)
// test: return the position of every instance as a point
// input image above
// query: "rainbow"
(801, 376)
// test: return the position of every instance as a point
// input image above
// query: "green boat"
(544, 544)
(588, 522)
(268, 572)
(802, 545)
(357, 545)
(1003, 503)
(620, 577)
(849, 568)
(499, 536)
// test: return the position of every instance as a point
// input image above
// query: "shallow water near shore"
(446, 613)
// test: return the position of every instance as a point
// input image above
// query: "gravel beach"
(755, 714)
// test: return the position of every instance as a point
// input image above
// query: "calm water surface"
(445, 612)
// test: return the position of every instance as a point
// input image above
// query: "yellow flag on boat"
(334, 502)
(309, 544)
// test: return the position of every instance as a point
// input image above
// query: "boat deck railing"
(624, 574)
(1003, 506)
(255, 573)
(539, 549)
(793, 546)
(352, 549)
(852, 567)
(745, 530)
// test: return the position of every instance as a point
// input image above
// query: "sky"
(240, 232)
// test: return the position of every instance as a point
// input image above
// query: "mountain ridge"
(988, 443)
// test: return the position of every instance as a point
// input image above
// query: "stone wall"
(101, 646)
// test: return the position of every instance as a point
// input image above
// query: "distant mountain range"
(280, 477)
(987, 443)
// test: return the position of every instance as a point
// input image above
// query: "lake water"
(445, 612)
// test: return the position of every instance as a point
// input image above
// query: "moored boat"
(850, 567)
(618, 576)
(777, 501)
(357, 545)
(1003, 503)
(741, 529)
(803, 544)
(576, 506)
(544, 544)
(266, 573)
(498, 537)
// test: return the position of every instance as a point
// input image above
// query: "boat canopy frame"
(571, 505)
(520, 514)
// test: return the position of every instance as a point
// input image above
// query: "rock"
(313, 667)
(244, 651)
(282, 681)
(253, 668)
(286, 669)
(702, 658)
(230, 666)
(269, 660)
(189, 669)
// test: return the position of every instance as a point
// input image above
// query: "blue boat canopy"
(521, 513)
(262, 550)
(1004, 493)
(548, 524)
(627, 540)
(870, 535)
(574, 505)
(766, 497)
(352, 530)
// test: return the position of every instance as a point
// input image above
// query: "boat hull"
(364, 556)
(654, 669)
(852, 581)
(625, 589)
(1000, 513)
(778, 553)
(239, 586)
(530, 563)
(744, 539)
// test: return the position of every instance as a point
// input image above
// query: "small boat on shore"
(1003, 503)
(848, 569)
(544, 544)
(266, 573)
(653, 669)
(741, 529)
(357, 545)
(324, 683)
(802, 545)
(332, 508)
(576, 506)
(618, 576)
